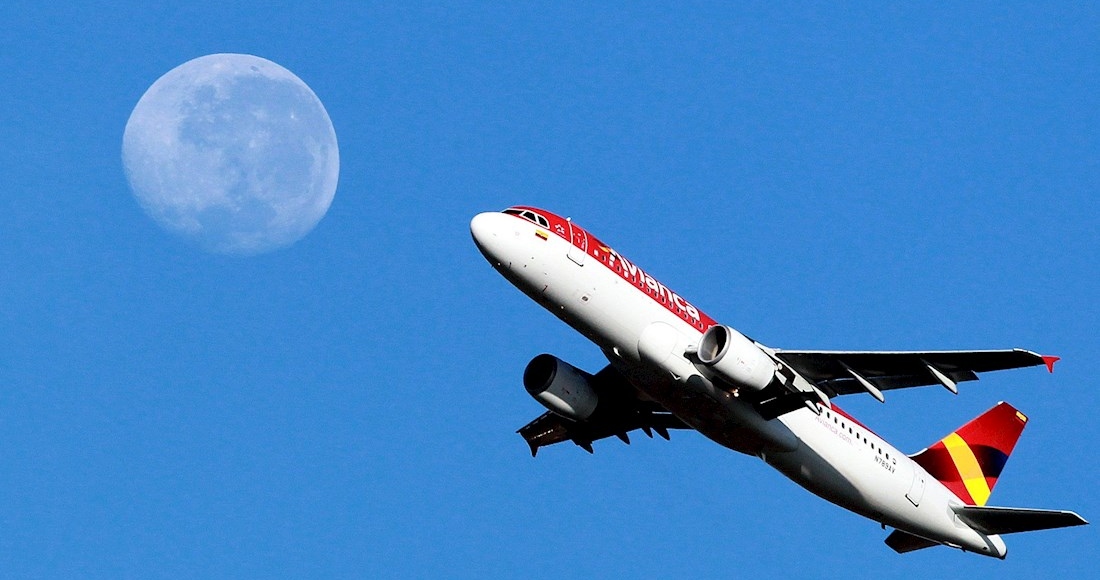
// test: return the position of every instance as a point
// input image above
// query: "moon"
(233, 152)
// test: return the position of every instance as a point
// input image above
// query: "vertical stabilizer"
(969, 460)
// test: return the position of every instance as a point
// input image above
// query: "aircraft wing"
(619, 412)
(848, 372)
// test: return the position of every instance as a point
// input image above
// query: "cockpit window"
(529, 216)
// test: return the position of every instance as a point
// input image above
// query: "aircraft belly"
(835, 465)
(821, 469)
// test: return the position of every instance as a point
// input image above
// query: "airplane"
(674, 367)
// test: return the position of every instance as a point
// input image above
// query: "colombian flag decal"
(541, 234)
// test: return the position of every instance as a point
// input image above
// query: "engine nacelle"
(560, 387)
(728, 355)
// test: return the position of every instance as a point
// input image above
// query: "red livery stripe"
(625, 269)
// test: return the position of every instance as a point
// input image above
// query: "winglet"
(1050, 360)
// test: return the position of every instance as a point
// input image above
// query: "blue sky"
(860, 178)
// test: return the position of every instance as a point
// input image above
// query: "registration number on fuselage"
(888, 466)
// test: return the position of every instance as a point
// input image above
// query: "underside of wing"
(1003, 520)
(620, 412)
(550, 428)
(848, 372)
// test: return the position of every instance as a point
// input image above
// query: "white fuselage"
(830, 454)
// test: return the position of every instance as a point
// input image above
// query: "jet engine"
(726, 354)
(560, 387)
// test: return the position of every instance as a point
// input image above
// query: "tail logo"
(969, 469)
(970, 459)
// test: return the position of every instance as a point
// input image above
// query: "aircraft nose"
(486, 230)
(481, 228)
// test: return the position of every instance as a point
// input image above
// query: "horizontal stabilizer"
(1003, 520)
(903, 542)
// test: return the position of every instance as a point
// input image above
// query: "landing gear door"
(578, 244)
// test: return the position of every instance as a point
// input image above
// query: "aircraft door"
(916, 489)
(578, 244)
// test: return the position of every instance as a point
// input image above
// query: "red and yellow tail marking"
(969, 470)
(971, 458)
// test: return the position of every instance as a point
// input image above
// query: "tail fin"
(969, 460)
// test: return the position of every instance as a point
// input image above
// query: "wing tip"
(1049, 360)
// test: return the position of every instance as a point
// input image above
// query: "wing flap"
(1007, 520)
(550, 428)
